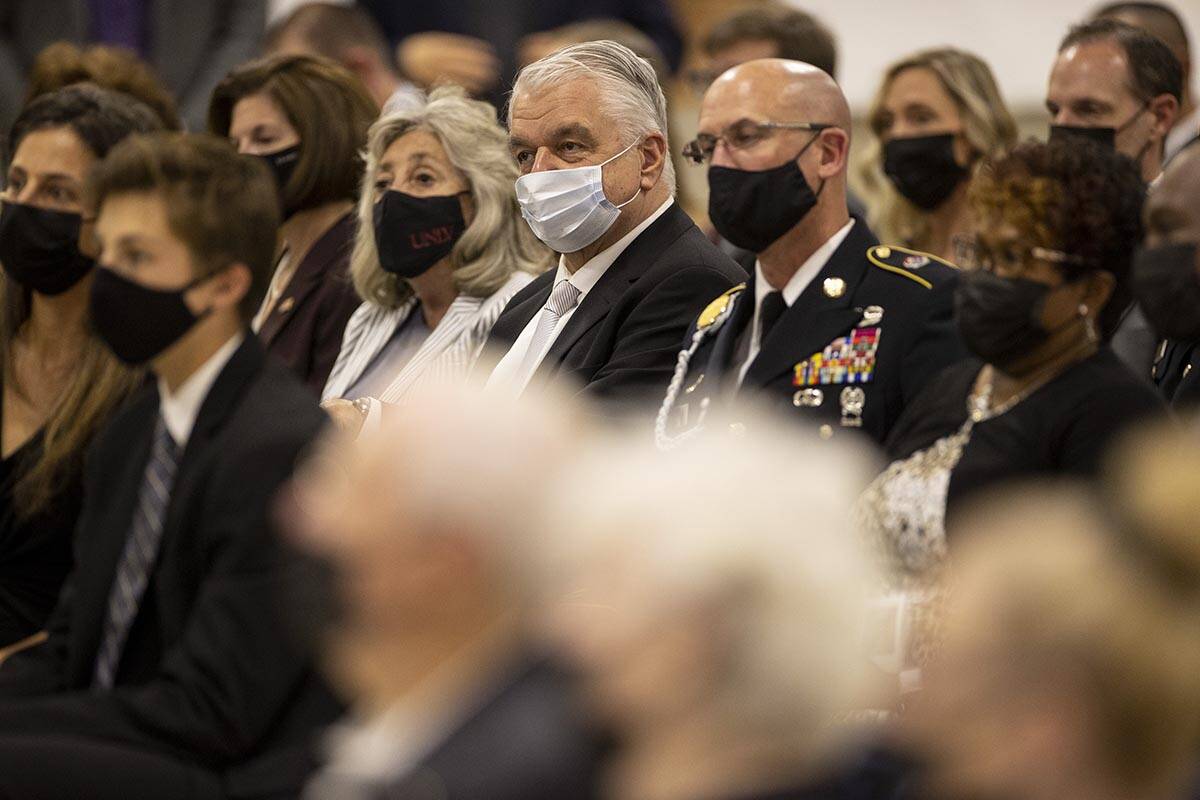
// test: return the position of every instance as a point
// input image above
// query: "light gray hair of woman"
(627, 82)
(497, 242)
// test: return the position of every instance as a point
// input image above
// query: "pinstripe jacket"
(450, 350)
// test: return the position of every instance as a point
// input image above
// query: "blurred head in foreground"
(1071, 645)
(426, 528)
(714, 597)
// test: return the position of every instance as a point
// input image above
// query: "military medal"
(853, 399)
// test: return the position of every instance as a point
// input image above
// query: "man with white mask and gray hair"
(588, 129)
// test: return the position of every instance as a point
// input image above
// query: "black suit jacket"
(622, 340)
(206, 675)
(894, 305)
(527, 741)
(305, 326)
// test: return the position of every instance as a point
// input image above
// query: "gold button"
(834, 287)
(826, 431)
(884, 252)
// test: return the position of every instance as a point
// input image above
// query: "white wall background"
(1018, 38)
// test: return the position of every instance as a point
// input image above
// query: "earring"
(1083, 309)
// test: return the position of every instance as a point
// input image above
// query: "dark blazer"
(305, 327)
(206, 676)
(528, 741)
(887, 311)
(1177, 374)
(620, 344)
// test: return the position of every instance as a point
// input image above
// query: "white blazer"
(449, 351)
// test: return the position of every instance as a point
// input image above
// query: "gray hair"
(496, 243)
(779, 554)
(627, 82)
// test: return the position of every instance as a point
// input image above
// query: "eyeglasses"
(741, 135)
(971, 253)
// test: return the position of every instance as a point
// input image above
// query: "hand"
(346, 418)
(428, 59)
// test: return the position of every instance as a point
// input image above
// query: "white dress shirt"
(1181, 133)
(180, 408)
(796, 285)
(583, 279)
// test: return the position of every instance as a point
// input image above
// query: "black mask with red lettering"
(414, 233)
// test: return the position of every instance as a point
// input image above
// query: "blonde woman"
(936, 115)
(441, 248)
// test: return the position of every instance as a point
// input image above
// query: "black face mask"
(282, 164)
(753, 209)
(1000, 319)
(1104, 136)
(923, 168)
(136, 322)
(39, 248)
(1065, 134)
(1167, 286)
(414, 233)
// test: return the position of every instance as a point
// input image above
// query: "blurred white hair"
(627, 82)
(756, 525)
(470, 462)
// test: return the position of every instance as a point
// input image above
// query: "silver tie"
(139, 555)
(564, 297)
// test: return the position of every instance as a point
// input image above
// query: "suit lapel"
(815, 319)
(521, 310)
(628, 267)
(453, 325)
(308, 277)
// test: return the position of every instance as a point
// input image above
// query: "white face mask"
(567, 208)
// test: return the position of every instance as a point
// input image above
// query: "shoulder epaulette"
(905, 262)
(717, 309)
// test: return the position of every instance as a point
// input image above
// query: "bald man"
(836, 328)
(1167, 277)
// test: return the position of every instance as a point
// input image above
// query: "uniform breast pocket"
(839, 373)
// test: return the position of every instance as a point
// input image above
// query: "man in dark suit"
(1166, 278)
(838, 330)
(165, 672)
(438, 578)
(596, 186)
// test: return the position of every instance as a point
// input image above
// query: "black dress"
(941, 456)
(1063, 428)
(35, 552)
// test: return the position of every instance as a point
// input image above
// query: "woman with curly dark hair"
(1046, 279)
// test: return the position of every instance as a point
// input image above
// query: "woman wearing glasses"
(1045, 282)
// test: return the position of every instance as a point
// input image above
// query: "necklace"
(979, 401)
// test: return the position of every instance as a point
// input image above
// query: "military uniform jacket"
(860, 341)
(1175, 373)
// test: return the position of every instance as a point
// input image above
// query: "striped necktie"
(139, 554)
(564, 298)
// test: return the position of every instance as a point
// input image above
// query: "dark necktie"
(769, 312)
(139, 555)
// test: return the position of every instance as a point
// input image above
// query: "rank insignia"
(915, 261)
(849, 359)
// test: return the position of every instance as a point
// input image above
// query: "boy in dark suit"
(165, 672)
